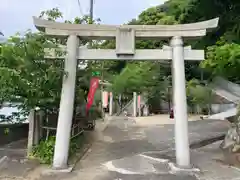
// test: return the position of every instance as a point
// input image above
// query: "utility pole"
(102, 110)
(102, 65)
(91, 11)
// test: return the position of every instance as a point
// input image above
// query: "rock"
(236, 148)
(232, 139)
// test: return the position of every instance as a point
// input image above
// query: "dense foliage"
(222, 55)
(221, 45)
(224, 60)
(26, 78)
(45, 150)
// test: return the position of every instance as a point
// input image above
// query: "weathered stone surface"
(125, 41)
(232, 138)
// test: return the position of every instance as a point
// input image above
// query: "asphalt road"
(126, 151)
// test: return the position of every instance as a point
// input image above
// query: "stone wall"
(12, 132)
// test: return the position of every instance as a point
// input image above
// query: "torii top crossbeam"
(94, 31)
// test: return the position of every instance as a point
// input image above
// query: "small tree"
(199, 95)
(30, 80)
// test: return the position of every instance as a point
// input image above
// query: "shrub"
(45, 150)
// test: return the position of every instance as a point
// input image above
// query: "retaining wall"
(12, 132)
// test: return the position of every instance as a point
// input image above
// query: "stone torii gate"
(125, 36)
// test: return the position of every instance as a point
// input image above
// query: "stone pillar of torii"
(125, 36)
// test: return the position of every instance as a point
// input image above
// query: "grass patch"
(45, 150)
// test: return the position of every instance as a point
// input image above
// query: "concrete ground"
(143, 148)
(130, 149)
(160, 119)
(16, 149)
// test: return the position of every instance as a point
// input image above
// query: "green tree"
(198, 95)
(30, 80)
(223, 59)
(135, 77)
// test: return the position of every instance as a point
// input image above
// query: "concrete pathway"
(132, 149)
(160, 120)
(15, 150)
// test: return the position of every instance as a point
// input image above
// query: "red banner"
(92, 90)
(139, 101)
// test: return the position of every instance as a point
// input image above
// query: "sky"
(16, 15)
